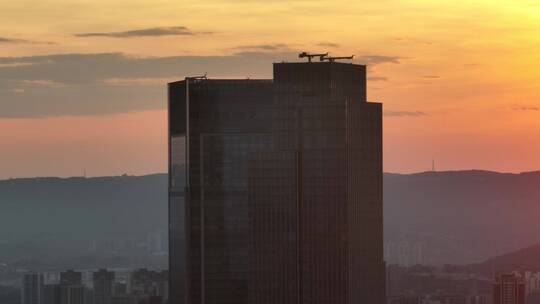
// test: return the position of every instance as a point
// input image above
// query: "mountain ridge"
(442, 217)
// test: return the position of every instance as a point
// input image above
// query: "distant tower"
(432, 165)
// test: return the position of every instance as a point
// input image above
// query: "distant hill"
(70, 218)
(459, 217)
(520, 260)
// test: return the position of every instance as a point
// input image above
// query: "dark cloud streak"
(9, 40)
(149, 32)
(88, 84)
(377, 78)
(77, 84)
(405, 113)
(374, 60)
(526, 108)
(5, 40)
(264, 47)
(328, 44)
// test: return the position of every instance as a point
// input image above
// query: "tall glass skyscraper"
(276, 188)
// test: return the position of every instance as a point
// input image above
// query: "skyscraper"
(32, 288)
(509, 289)
(283, 182)
(227, 121)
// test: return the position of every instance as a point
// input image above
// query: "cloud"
(148, 32)
(9, 40)
(412, 40)
(264, 47)
(98, 84)
(107, 83)
(373, 60)
(377, 78)
(44, 82)
(88, 68)
(140, 81)
(328, 44)
(5, 40)
(405, 113)
(526, 108)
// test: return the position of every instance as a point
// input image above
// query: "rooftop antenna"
(432, 165)
(332, 59)
(311, 56)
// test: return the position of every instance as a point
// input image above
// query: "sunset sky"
(83, 83)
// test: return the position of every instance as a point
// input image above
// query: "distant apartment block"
(509, 289)
(103, 286)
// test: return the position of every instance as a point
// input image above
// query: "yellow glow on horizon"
(470, 66)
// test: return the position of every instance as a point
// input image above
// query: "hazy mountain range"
(88, 221)
(456, 217)
(462, 216)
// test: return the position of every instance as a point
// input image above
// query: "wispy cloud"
(140, 81)
(6, 40)
(377, 78)
(405, 113)
(430, 76)
(412, 41)
(264, 47)
(53, 85)
(526, 108)
(9, 40)
(44, 82)
(373, 60)
(148, 32)
(328, 44)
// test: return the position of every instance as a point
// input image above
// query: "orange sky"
(458, 80)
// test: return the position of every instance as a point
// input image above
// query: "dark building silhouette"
(103, 286)
(32, 288)
(51, 294)
(76, 294)
(146, 282)
(283, 181)
(68, 279)
(509, 289)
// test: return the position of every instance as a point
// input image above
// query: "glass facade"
(324, 217)
(283, 182)
(177, 192)
(228, 120)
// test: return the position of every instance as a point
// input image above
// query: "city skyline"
(456, 78)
